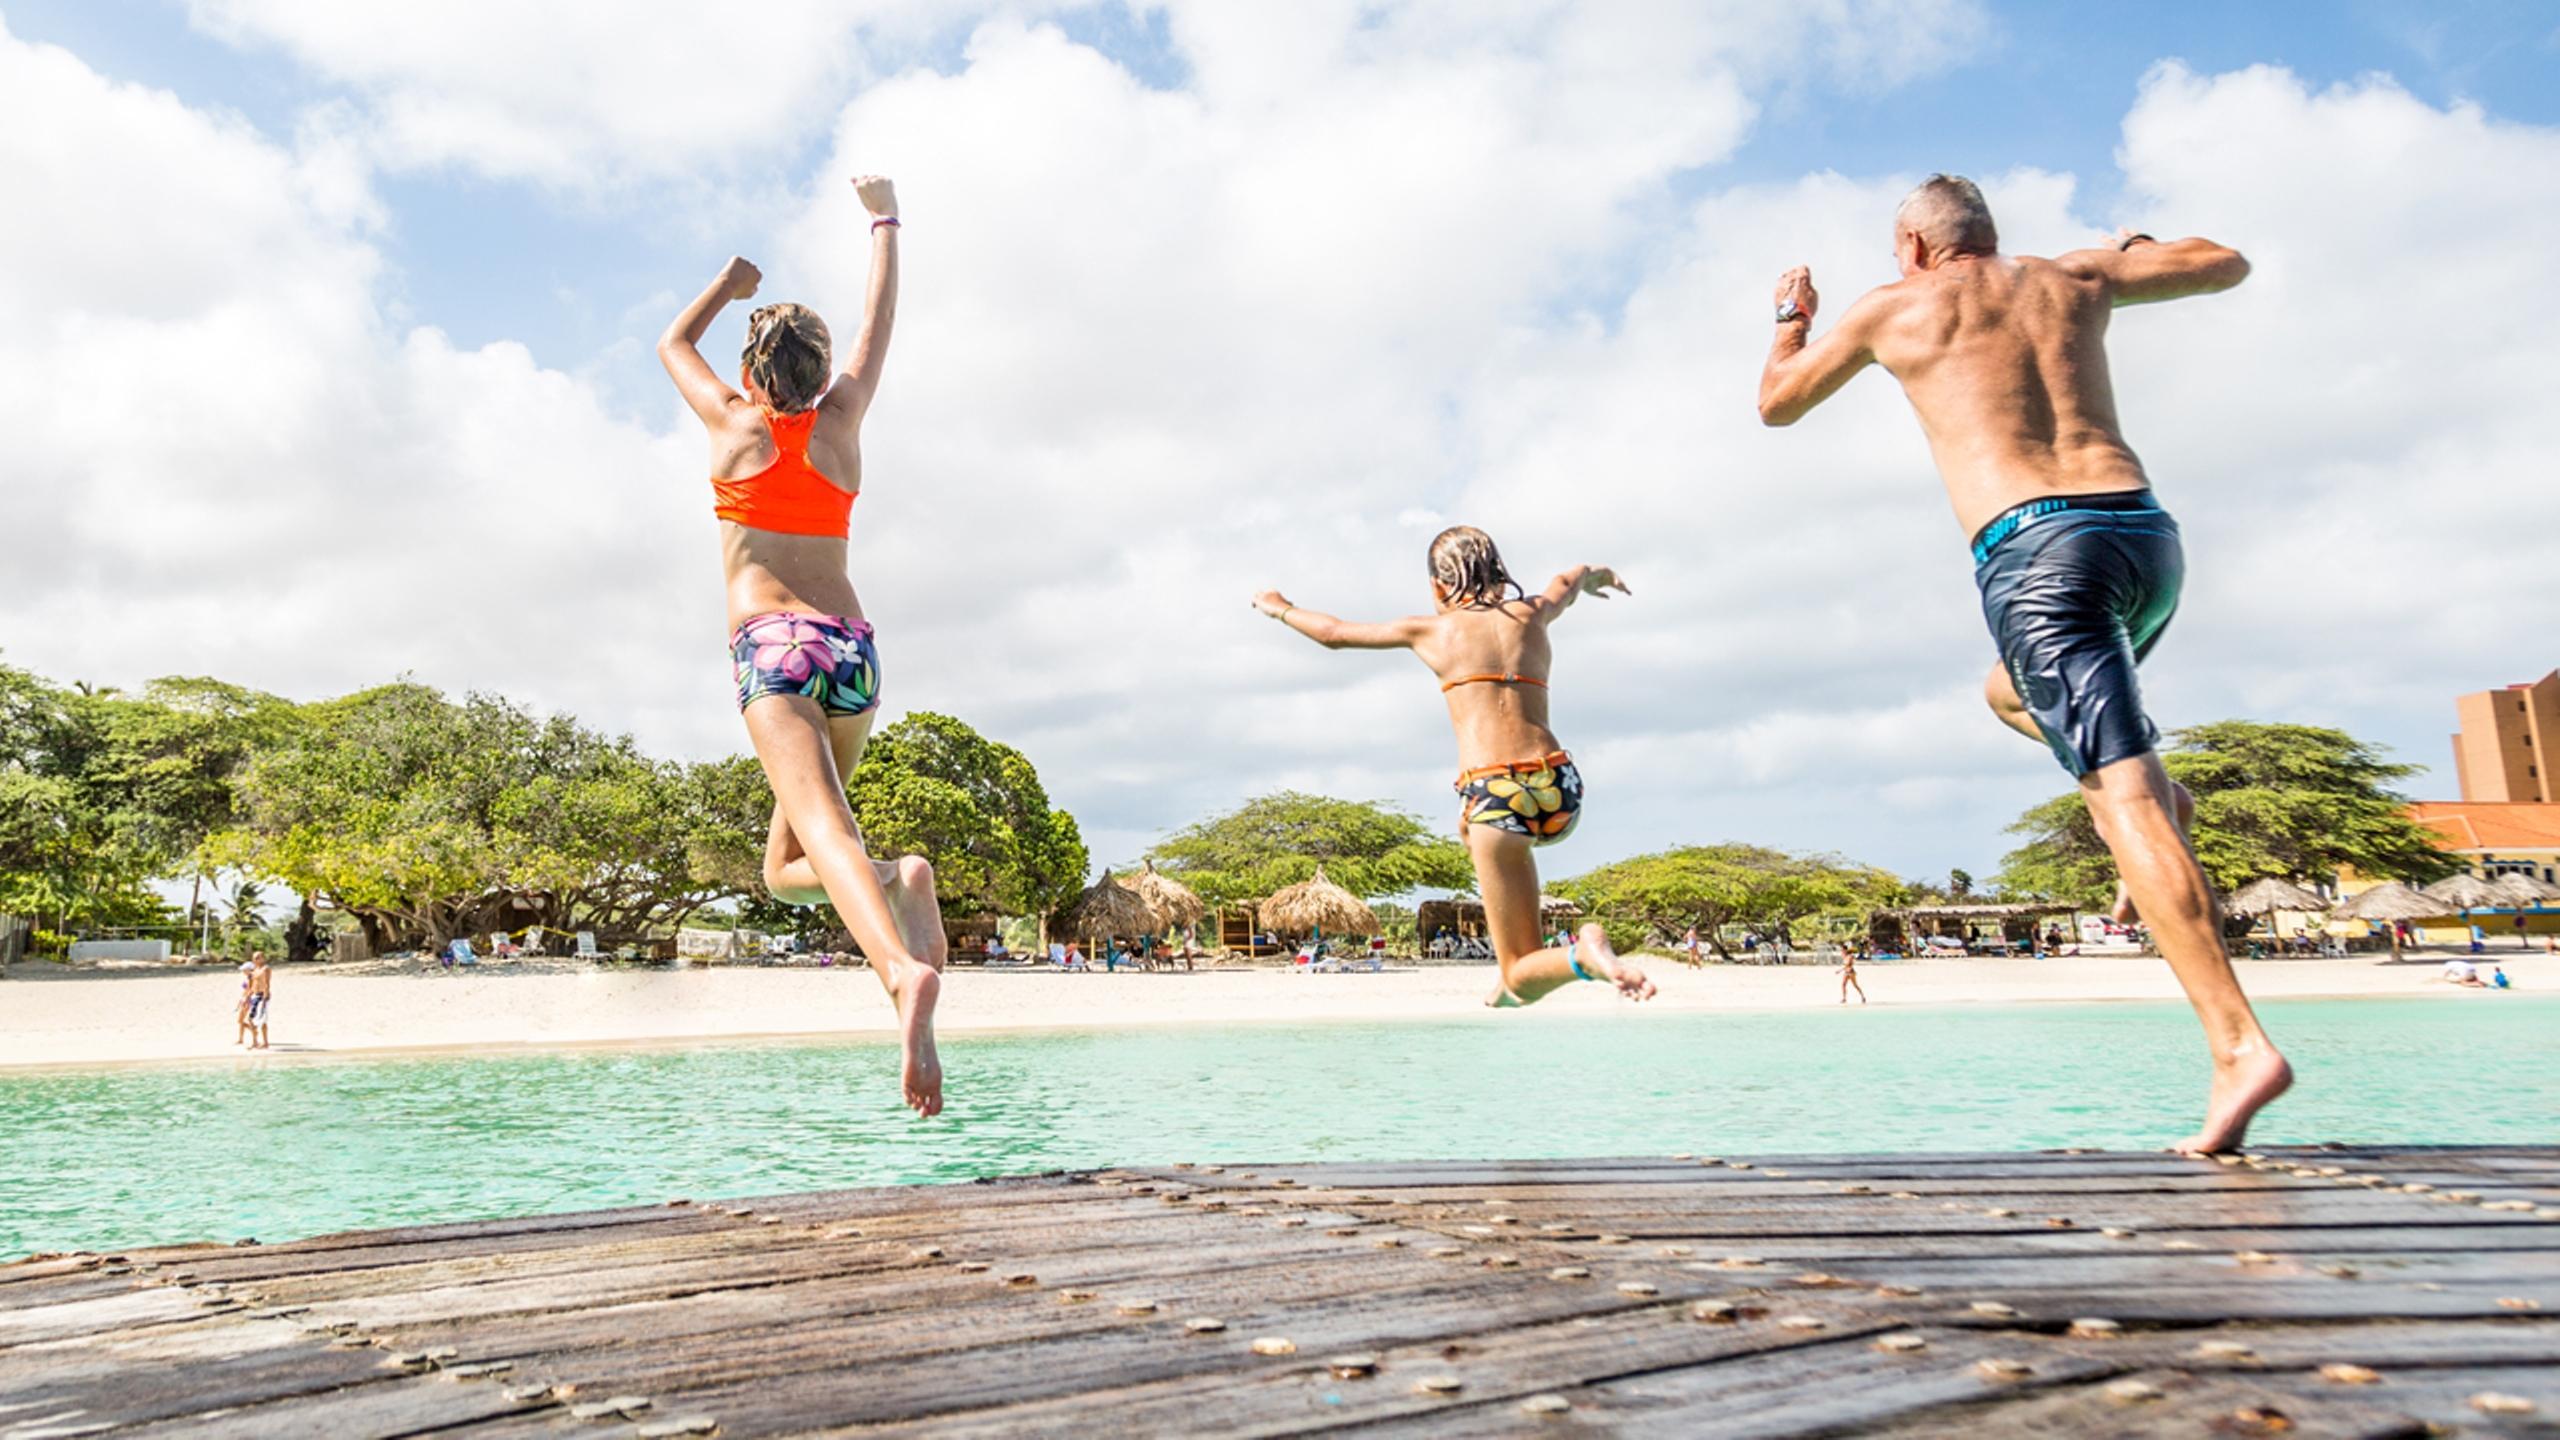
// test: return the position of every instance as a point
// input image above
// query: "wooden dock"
(2342, 1291)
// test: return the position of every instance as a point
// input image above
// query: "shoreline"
(82, 1021)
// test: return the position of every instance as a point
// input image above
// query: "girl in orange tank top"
(808, 682)
(789, 495)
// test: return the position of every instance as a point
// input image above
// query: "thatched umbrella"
(1318, 905)
(2389, 902)
(1109, 908)
(2266, 897)
(2524, 889)
(1558, 906)
(2465, 892)
(1171, 898)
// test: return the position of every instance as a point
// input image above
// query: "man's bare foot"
(1503, 999)
(1631, 982)
(2242, 1088)
(917, 991)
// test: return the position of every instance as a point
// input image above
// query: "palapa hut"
(1107, 910)
(2263, 898)
(1893, 931)
(1318, 907)
(1172, 900)
(1463, 915)
(2464, 892)
(2523, 889)
(2390, 903)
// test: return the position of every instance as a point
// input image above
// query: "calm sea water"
(102, 1159)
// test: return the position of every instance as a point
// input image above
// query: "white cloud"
(577, 92)
(1162, 347)
(224, 461)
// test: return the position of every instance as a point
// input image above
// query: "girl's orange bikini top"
(789, 495)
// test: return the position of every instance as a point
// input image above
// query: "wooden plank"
(1840, 1387)
(1282, 1394)
(791, 1313)
(2183, 1405)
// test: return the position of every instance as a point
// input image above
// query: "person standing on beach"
(2004, 359)
(1486, 640)
(1849, 974)
(786, 464)
(240, 1012)
(261, 985)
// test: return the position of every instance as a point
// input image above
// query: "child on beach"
(786, 464)
(261, 988)
(1486, 640)
(240, 1012)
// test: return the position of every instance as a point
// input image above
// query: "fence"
(14, 934)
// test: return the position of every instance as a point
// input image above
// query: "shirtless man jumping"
(2004, 358)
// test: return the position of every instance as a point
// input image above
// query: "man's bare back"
(2003, 358)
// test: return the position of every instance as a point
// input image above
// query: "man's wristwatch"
(2127, 242)
(1789, 310)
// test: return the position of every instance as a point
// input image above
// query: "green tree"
(928, 785)
(1714, 886)
(1367, 848)
(931, 786)
(2293, 802)
(74, 850)
(425, 819)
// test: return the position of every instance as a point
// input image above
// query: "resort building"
(2502, 753)
(2494, 838)
(2509, 816)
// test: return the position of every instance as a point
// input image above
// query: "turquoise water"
(105, 1159)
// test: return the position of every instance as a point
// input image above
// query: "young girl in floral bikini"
(1486, 639)
(786, 464)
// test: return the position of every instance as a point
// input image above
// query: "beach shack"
(1461, 917)
(2000, 929)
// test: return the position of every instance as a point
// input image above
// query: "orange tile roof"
(2491, 825)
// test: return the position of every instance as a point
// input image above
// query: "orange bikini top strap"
(1493, 680)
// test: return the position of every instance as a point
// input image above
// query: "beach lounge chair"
(587, 946)
(463, 954)
(502, 948)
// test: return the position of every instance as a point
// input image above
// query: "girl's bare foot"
(1604, 962)
(2243, 1087)
(916, 992)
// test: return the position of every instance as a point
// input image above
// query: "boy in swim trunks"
(261, 985)
(1486, 640)
(2004, 360)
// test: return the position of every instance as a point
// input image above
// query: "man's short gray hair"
(1948, 211)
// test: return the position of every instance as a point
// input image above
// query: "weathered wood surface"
(1930, 1295)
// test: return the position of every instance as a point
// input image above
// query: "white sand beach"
(52, 1017)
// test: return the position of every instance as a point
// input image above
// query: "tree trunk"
(302, 937)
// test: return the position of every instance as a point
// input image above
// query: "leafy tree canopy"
(101, 792)
(422, 816)
(1712, 886)
(2294, 802)
(1367, 848)
(931, 786)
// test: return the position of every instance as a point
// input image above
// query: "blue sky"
(489, 259)
(1194, 308)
